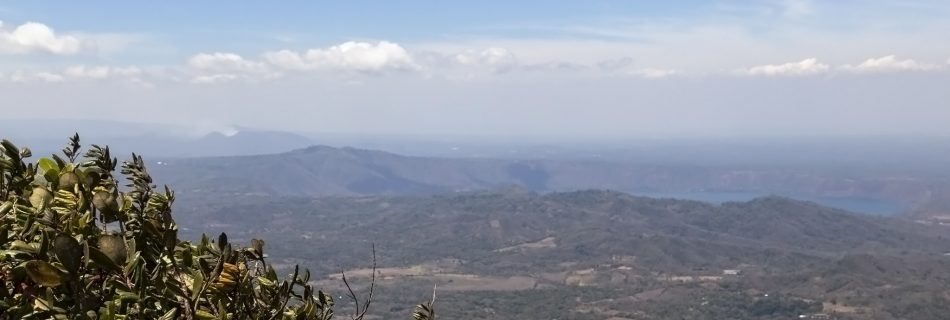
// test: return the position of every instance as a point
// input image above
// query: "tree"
(77, 244)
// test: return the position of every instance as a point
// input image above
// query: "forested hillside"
(597, 254)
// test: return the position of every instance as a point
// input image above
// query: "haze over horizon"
(685, 69)
(586, 160)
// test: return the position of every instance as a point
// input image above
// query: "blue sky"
(488, 67)
(249, 26)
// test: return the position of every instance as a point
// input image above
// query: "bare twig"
(351, 295)
(432, 302)
(372, 287)
(360, 312)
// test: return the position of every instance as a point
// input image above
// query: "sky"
(486, 68)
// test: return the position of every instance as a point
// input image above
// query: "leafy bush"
(77, 244)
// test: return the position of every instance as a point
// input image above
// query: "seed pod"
(103, 200)
(68, 180)
(258, 245)
(40, 197)
(68, 251)
(89, 180)
(113, 246)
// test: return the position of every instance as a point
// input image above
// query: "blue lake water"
(857, 205)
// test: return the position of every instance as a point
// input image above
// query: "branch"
(361, 312)
(432, 302)
(351, 295)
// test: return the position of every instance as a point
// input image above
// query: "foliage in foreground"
(76, 244)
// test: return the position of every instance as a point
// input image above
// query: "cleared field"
(446, 281)
(548, 242)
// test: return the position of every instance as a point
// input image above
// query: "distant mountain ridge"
(900, 173)
(330, 171)
(152, 140)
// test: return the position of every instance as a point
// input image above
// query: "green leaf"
(59, 162)
(133, 262)
(128, 296)
(196, 284)
(5, 207)
(222, 311)
(187, 257)
(265, 282)
(21, 245)
(204, 315)
(47, 164)
(16, 254)
(170, 315)
(222, 241)
(10, 149)
(85, 253)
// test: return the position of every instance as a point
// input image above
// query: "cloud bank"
(349, 56)
(805, 67)
(889, 63)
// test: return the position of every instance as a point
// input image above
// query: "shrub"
(77, 244)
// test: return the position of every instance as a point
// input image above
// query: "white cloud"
(50, 77)
(349, 56)
(221, 67)
(130, 74)
(229, 62)
(805, 67)
(287, 59)
(888, 64)
(624, 66)
(214, 78)
(497, 59)
(101, 72)
(37, 37)
(87, 72)
(21, 76)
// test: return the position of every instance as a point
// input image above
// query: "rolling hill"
(614, 254)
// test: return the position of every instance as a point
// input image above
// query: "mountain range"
(543, 238)
(152, 140)
(330, 171)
